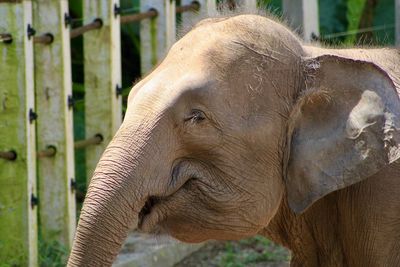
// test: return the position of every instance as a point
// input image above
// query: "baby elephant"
(243, 130)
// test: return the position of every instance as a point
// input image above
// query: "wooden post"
(55, 123)
(249, 4)
(397, 22)
(303, 16)
(102, 61)
(158, 34)
(207, 7)
(18, 228)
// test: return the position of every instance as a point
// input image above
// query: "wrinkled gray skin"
(243, 130)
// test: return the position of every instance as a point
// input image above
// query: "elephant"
(245, 130)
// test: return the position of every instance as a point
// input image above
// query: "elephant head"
(234, 120)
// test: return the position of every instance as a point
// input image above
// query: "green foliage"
(346, 22)
(252, 250)
(52, 254)
(384, 15)
(75, 8)
(332, 19)
(79, 134)
(272, 6)
(354, 12)
(130, 45)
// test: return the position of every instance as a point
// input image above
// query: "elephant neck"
(312, 237)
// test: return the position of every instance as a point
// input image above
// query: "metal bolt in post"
(118, 90)
(32, 115)
(73, 184)
(34, 201)
(67, 20)
(117, 10)
(70, 102)
(30, 31)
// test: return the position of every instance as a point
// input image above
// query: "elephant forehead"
(231, 55)
(198, 52)
(168, 83)
(219, 36)
(209, 46)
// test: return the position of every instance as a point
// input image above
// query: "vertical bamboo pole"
(55, 125)
(158, 34)
(397, 10)
(303, 15)
(18, 229)
(207, 7)
(102, 61)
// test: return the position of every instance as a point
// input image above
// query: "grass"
(52, 254)
(250, 251)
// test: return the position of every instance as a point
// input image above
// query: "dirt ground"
(252, 252)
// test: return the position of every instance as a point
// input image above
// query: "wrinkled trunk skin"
(114, 199)
(106, 216)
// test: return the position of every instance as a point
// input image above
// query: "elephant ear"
(343, 129)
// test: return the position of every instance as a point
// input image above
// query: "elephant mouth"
(154, 211)
(147, 210)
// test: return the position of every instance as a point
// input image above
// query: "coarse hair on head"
(227, 9)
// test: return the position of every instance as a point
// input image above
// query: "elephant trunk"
(116, 195)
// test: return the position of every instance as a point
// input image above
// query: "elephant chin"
(148, 219)
(193, 234)
(189, 239)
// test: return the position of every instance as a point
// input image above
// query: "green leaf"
(354, 12)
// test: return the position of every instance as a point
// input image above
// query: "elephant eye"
(195, 116)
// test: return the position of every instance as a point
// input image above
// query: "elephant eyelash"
(196, 116)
